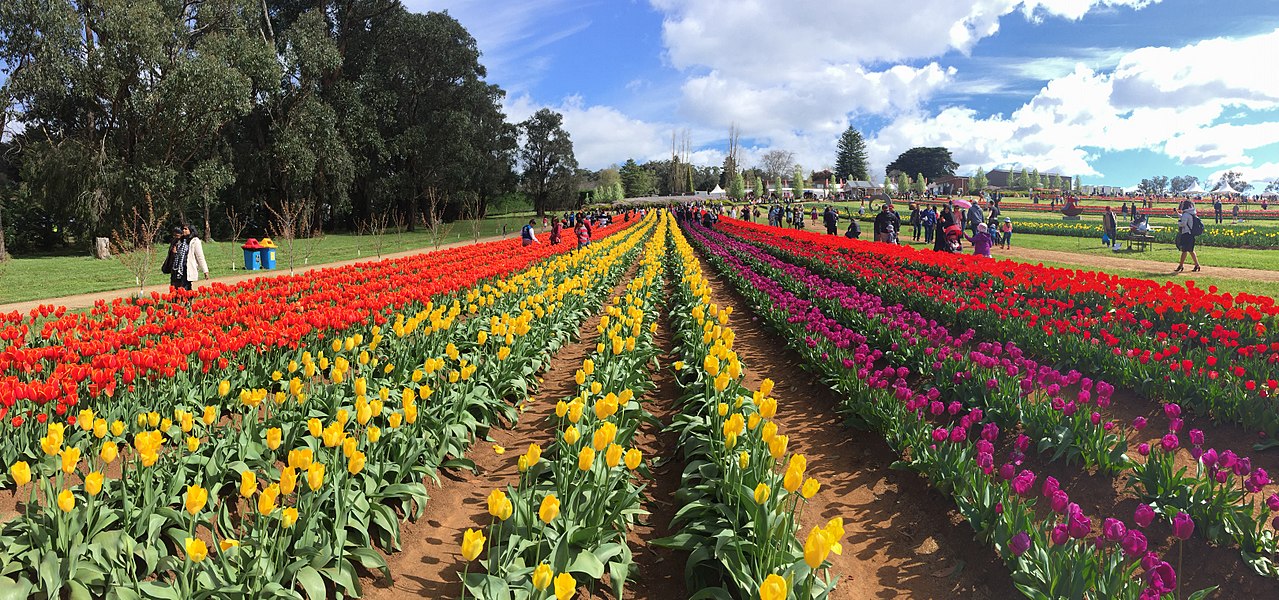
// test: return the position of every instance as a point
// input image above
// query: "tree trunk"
(208, 233)
(4, 255)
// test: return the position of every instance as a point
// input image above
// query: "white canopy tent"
(1193, 190)
(1225, 190)
(718, 192)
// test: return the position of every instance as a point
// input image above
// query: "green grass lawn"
(1157, 272)
(1267, 260)
(36, 278)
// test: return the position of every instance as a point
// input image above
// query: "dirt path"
(1149, 268)
(904, 539)
(80, 301)
(660, 571)
(430, 564)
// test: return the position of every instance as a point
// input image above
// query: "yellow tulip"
(266, 500)
(66, 501)
(472, 544)
(100, 428)
(196, 549)
(542, 576)
(596, 387)
(777, 446)
(768, 408)
(575, 411)
(613, 456)
(549, 509)
(197, 497)
(187, 422)
(743, 460)
(356, 463)
(565, 586)
(228, 544)
(721, 382)
(679, 365)
(586, 458)
(333, 435)
(810, 488)
(534, 454)
(248, 483)
(571, 435)
(792, 479)
(314, 427)
(93, 483)
(21, 472)
(816, 547)
(70, 460)
(288, 517)
(768, 432)
(774, 588)
(109, 452)
(153, 418)
(588, 367)
(633, 458)
(766, 387)
(300, 458)
(499, 505)
(721, 409)
(51, 445)
(117, 427)
(224, 387)
(288, 480)
(193, 444)
(761, 493)
(349, 445)
(315, 476)
(395, 420)
(374, 434)
(752, 422)
(273, 437)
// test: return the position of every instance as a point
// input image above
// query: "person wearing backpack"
(527, 236)
(1188, 228)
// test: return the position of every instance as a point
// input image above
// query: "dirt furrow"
(430, 563)
(904, 540)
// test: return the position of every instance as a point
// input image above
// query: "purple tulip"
(1025, 481)
(1143, 449)
(990, 432)
(1144, 515)
(1019, 544)
(1050, 486)
(1059, 501)
(1080, 526)
(1197, 437)
(1210, 457)
(1113, 529)
(1022, 442)
(1175, 425)
(1172, 410)
(1183, 526)
(1273, 502)
(1006, 472)
(1139, 423)
(1170, 442)
(1133, 542)
(1060, 534)
(1162, 577)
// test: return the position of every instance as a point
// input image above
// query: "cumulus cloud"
(602, 135)
(1169, 100)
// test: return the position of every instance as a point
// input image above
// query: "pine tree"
(758, 187)
(850, 161)
(903, 184)
(921, 184)
(1035, 181)
(1024, 180)
(797, 183)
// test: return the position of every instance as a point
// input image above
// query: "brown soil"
(430, 565)
(904, 540)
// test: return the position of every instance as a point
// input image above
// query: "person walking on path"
(831, 218)
(1188, 226)
(916, 221)
(1217, 209)
(528, 237)
(1006, 233)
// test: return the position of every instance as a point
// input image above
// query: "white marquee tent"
(1193, 190)
(1225, 190)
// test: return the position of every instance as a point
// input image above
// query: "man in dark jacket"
(831, 218)
(885, 218)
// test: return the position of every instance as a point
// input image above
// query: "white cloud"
(1168, 100)
(602, 135)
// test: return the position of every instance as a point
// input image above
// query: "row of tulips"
(1211, 352)
(740, 516)
(282, 490)
(567, 518)
(1227, 502)
(1050, 557)
(1010, 387)
(139, 351)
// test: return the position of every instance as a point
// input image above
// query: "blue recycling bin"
(267, 257)
(252, 260)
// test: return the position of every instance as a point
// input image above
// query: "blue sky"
(1115, 90)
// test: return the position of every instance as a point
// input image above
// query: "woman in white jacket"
(187, 254)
